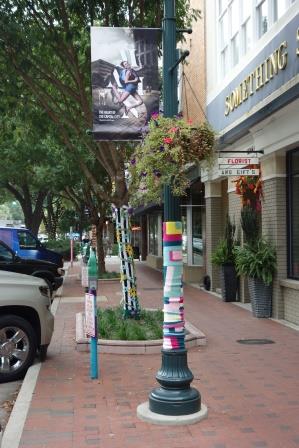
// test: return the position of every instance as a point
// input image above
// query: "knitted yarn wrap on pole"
(174, 323)
(127, 269)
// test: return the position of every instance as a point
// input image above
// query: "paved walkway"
(252, 391)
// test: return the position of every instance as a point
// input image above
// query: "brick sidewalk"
(252, 392)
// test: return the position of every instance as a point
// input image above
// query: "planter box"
(229, 283)
(193, 338)
(261, 297)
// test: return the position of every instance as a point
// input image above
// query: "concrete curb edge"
(13, 430)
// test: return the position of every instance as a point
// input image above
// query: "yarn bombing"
(125, 251)
(174, 323)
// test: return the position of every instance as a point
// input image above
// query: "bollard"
(92, 300)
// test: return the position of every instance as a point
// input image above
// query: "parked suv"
(50, 272)
(26, 245)
(26, 323)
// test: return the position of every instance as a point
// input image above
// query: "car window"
(5, 254)
(26, 240)
(6, 236)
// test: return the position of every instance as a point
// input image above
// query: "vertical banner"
(125, 81)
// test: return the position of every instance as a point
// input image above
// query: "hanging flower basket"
(167, 149)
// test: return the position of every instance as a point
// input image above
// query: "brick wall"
(193, 74)
(274, 228)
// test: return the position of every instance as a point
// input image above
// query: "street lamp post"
(174, 397)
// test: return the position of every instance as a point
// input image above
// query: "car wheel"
(17, 347)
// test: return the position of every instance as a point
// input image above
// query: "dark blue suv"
(26, 245)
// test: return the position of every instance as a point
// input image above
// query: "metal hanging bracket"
(184, 55)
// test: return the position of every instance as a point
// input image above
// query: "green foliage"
(115, 249)
(11, 210)
(112, 325)
(161, 159)
(256, 260)
(63, 247)
(224, 252)
(250, 223)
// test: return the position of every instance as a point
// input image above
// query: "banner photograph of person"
(125, 81)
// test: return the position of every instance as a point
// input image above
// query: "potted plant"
(224, 257)
(257, 260)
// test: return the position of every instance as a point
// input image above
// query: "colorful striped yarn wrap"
(174, 323)
(127, 268)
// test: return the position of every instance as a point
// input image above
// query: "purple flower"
(133, 161)
(143, 174)
(157, 173)
(162, 148)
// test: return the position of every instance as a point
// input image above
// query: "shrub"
(63, 247)
(112, 325)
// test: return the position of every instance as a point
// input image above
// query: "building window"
(279, 9)
(223, 42)
(153, 234)
(293, 214)
(221, 4)
(184, 235)
(235, 49)
(197, 244)
(262, 17)
(246, 26)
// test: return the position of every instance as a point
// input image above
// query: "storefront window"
(192, 224)
(184, 235)
(153, 234)
(293, 213)
(197, 236)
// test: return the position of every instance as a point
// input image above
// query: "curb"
(14, 428)
(11, 436)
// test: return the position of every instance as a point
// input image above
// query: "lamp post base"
(175, 396)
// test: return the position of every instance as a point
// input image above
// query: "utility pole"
(174, 397)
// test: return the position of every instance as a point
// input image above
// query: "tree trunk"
(100, 247)
(32, 218)
(127, 268)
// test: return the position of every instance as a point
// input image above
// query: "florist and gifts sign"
(125, 81)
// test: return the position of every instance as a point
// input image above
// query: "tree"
(45, 46)
(45, 43)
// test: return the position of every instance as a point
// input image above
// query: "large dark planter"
(261, 297)
(229, 282)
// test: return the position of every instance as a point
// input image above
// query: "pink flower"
(168, 140)
(189, 121)
(173, 129)
(155, 115)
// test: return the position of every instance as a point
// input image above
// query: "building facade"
(252, 57)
